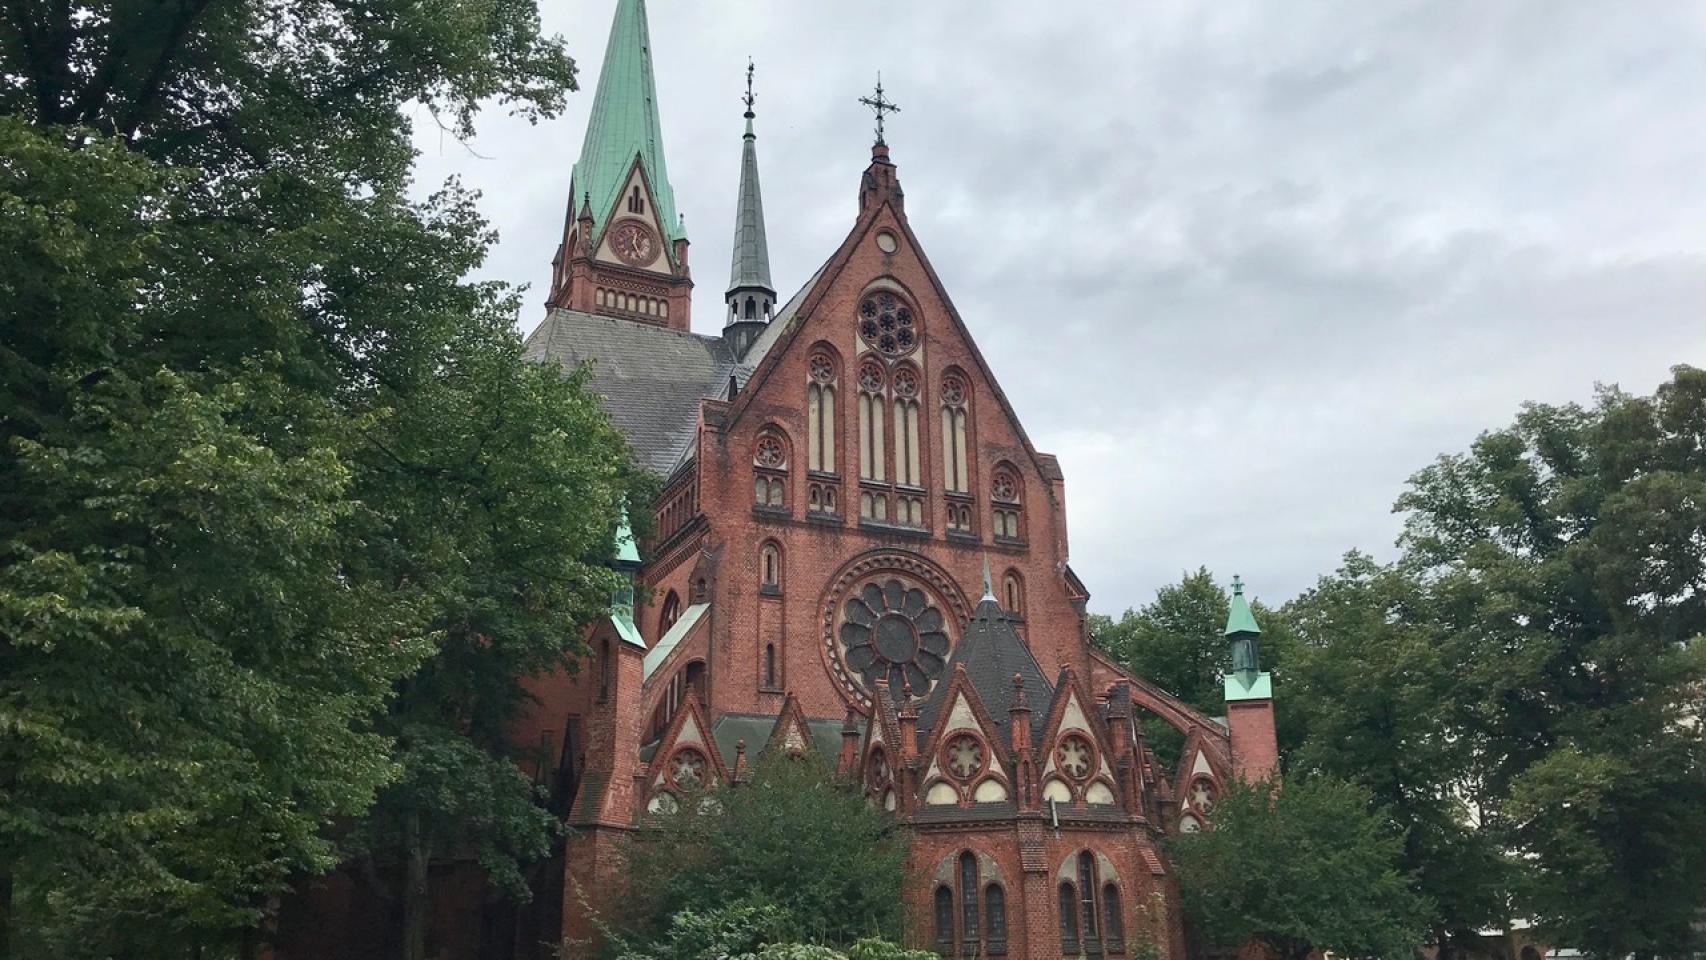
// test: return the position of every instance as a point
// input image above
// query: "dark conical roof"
(992, 653)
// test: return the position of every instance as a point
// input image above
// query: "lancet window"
(970, 911)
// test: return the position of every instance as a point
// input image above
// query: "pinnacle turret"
(750, 296)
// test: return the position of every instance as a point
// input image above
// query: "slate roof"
(651, 378)
(992, 652)
(755, 729)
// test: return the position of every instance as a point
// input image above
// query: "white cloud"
(1243, 267)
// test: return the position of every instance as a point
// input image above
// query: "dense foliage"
(284, 516)
(793, 840)
(749, 932)
(1301, 868)
(1520, 690)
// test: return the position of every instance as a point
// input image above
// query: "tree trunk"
(5, 915)
(415, 893)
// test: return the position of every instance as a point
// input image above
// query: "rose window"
(885, 323)
(1074, 757)
(688, 769)
(768, 452)
(1202, 795)
(1005, 487)
(953, 390)
(893, 631)
(870, 377)
(906, 382)
(822, 369)
(965, 756)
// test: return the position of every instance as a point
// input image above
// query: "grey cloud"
(1244, 267)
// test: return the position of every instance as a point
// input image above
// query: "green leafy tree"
(267, 463)
(1298, 869)
(1378, 692)
(1566, 563)
(793, 838)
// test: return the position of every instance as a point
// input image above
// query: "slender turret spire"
(750, 296)
(1242, 632)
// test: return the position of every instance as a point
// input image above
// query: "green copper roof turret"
(624, 124)
(1238, 617)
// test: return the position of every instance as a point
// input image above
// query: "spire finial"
(749, 98)
(1237, 586)
(880, 106)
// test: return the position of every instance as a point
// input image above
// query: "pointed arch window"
(671, 613)
(872, 403)
(945, 920)
(770, 666)
(995, 918)
(1113, 925)
(823, 374)
(955, 399)
(770, 470)
(770, 568)
(636, 203)
(1068, 910)
(1013, 593)
(968, 905)
(1006, 509)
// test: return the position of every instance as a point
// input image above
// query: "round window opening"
(886, 324)
(886, 242)
(892, 631)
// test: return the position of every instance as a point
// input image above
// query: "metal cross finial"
(880, 106)
(749, 98)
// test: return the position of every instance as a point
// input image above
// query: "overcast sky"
(1244, 267)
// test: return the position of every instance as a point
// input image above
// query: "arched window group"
(970, 912)
(1005, 508)
(1089, 909)
(823, 378)
(770, 471)
(630, 303)
(636, 202)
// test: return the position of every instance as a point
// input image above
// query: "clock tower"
(624, 247)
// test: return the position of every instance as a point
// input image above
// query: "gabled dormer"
(685, 763)
(1077, 765)
(965, 758)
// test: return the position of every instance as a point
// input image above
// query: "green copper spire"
(1246, 681)
(624, 124)
(750, 265)
(1238, 618)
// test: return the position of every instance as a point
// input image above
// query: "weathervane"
(749, 98)
(880, 106)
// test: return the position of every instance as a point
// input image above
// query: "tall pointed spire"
(750, 296)
(624, 123)
(624, 247)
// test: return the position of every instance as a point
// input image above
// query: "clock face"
(634, 242)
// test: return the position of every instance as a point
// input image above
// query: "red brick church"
(859, 554)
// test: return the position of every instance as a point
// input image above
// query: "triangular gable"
(663, 261)
(963, 711)
(1072, 711)
(790, 735)
(689, 727)
(832, 271)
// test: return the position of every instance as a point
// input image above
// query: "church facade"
(859, 554)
